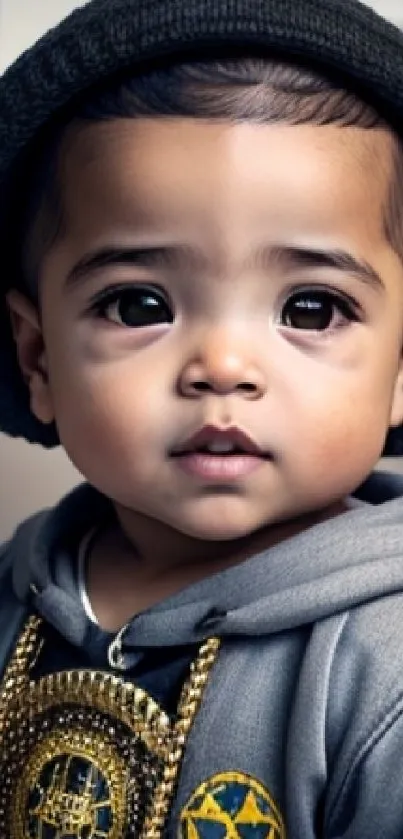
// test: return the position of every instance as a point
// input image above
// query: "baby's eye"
(316, 311)
(133, 306)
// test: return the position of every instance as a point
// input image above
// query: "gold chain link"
(16, 675)
(188, 706)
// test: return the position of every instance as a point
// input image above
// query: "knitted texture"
(108, 36)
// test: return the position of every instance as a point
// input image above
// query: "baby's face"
(273, 303)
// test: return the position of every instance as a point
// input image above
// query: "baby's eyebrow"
(146, 256)
(336, 259)
(290, 257)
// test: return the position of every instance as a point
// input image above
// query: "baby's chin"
(220, 534)
(218, 529)
(262, 532)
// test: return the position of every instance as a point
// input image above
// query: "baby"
(201, 220)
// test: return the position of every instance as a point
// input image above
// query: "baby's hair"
(235, 89)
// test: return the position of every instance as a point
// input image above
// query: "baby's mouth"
(215, 440)
(218, 454)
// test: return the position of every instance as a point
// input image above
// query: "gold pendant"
(86, 755)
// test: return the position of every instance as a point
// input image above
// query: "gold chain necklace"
(87, 750)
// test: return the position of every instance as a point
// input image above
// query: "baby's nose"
(223, 366)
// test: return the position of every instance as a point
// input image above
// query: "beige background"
(30, 477)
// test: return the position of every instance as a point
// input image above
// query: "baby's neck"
(125, 577)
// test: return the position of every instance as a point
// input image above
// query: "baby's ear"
(396, 413)
(31, 353)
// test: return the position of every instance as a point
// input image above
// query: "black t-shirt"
(161, 672)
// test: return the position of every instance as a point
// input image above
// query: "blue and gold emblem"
(231, 805)
(71, 787)
(85, 754)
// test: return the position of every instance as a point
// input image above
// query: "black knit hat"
(342, 37)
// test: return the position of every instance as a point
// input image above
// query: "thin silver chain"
(81, 575)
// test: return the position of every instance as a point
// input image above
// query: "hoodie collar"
(326, 569)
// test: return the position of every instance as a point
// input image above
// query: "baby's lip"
(211, 433)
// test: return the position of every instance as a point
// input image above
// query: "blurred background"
(30, 477)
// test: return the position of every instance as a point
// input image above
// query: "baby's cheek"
(338, 446)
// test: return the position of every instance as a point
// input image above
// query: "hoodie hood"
(327, 569)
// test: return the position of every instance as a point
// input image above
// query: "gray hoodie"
(306, 696)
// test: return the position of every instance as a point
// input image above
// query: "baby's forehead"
(165, 163)
(161, 136)
(228, 195)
